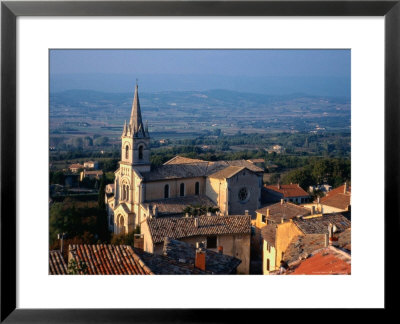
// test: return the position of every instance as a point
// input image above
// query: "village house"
(91, 165)
(229, 234)
(274, 214)
(75, 167)
(301, 234)
(258, 162)
(336, 200)
(96, 174)
(232, 186)
(288, 192)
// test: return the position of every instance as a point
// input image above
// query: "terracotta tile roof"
(194, 169)
(341, 201)
(319, 224)
(301, 247)
(288, 190)
(102, 259)
(287, 210)
(339, 190)
(57, 265)
(326, 261)
(175, 206)
(164, 265)
(180, 227)
(182, 160)
(185, 253)
(268, 233)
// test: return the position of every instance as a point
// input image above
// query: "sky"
(263, 71)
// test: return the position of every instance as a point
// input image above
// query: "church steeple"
(135, 123)
(135, 140)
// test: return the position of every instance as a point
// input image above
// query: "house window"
(127, 152)
(267, 264)
(211, 242)
(140, 152)
(263, 218)
(182, 190)
(166, 191)
(197, 188)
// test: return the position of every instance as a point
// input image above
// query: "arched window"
(140, 152)
(182, 190)
(166, 191)
(127, 193)
(197, 188)
(127, 152)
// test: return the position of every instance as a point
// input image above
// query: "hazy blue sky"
(312, 71)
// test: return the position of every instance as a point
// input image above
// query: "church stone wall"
(155, 190)
(250, 181)
(216, 190)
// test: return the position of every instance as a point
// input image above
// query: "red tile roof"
(57, 265)
(338, 198)
(288, 190)
(105, 259)
(326, 261)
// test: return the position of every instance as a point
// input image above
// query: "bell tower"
(135, 140)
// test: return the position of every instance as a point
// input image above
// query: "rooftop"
(288, 190)
(163, 265)
(57, 265)
(180, 227)
(339, 197)
(268, 233)
(185, 253)
(189, 169)
(102, 259)
(319, 224)
(182, 160)
(175, 206)
(227, 173)
(325, 261)
(286, 210)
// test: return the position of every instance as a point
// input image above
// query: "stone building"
(141, 191)
(228, 234)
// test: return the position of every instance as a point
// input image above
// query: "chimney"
(326, 240)
(345, 187)
(196, 222)
(200, 261)
(246, 212)
(282, 200)
(267, 212)
(318, 200)
(279, 186)
(220, 249)
(333, 241)
(282, 220)
(208, 213)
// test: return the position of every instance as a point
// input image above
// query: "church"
(141, 192)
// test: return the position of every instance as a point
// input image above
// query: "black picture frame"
(10, 10)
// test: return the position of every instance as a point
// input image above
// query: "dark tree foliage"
(82, 224)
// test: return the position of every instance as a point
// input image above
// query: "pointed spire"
(136, 115)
